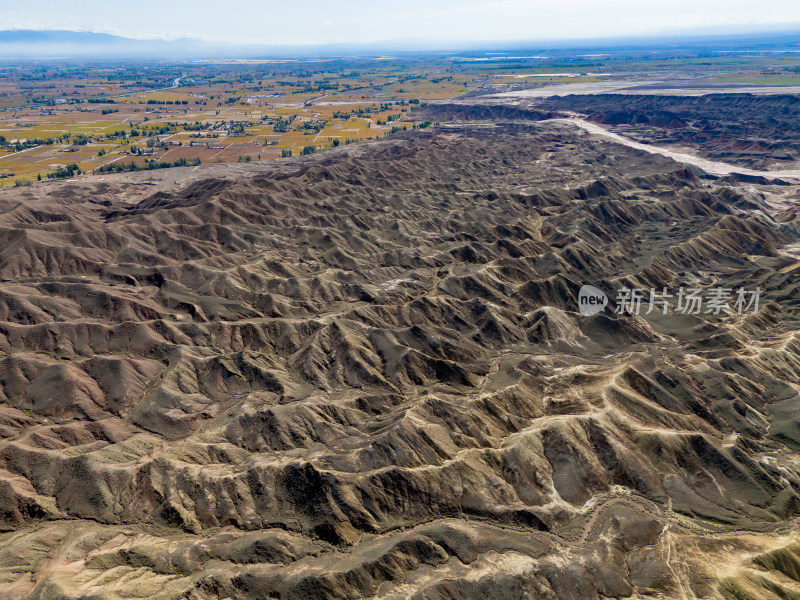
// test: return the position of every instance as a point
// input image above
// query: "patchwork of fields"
(59, 119)
(217, 113)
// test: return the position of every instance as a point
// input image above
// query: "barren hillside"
(364, 374)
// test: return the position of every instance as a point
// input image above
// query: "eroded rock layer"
(364, 374)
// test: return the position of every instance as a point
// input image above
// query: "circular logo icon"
(591, 300)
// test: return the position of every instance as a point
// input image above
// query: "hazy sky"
(318, 21)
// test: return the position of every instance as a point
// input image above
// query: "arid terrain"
(364, 373)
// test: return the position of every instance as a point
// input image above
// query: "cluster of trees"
(54, 101)
(120, 133)
(320, 87)
(50, 101)
(19, 146)
(281, 125)
(168, 102)
(311, 149)
(162, 129)
(360, 112)
(149, 165)
(154, 130)
(363, 112)
(63, 172)
(315, 126)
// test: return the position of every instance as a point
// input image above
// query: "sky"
(322, 22)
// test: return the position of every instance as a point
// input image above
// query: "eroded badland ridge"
(364, 374)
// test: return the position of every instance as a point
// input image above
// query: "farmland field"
(105, 118)
(96, 118)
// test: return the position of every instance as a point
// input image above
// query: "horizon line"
(697, 33)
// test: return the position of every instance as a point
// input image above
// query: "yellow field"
(322, 106)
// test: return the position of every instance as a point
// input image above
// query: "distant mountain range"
(18, 43)
(29, 36)
(25, 43)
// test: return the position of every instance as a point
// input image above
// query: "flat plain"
(113, 115)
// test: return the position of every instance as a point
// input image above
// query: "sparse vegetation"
(65, 172)
(149, 165)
